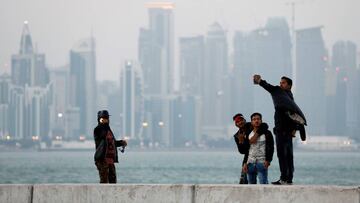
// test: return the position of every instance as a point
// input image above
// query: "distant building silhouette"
(83, 84)
(192, 65)
(265, 51)
(30, 92)
(215, 108)
(59, 78)
(132, 100)
(156, 49)
(347, 88)
(5, 85)
(28, 67)
(311, 62)
(185, 122)
(156, 57)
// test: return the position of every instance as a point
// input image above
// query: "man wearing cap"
(239, 137)
(106, 148)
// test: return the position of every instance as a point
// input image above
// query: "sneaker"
(280, 182)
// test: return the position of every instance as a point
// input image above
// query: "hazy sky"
(57, 25)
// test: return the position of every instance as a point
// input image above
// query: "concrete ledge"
(79, 193)
(15, 193)
(276, 194)
(112, 193)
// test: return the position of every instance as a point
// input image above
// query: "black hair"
(237, 115)
(288, 80)
(256, 114)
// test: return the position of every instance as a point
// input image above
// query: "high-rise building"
(5, 83)
(191, 64)
(311, 63)
(185, 121)
(59, 78)
(36, 106)
(156, 57)
(132, 100)
(17, 115)
(265, 51)
(347, 93)
(156, 125)
(28, 67)
(29, 95)
(243, 69)
(215, 110)
(156, 49)
(83, 84)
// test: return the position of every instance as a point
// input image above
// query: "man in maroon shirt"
(106, 154)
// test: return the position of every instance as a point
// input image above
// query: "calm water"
(172, 167)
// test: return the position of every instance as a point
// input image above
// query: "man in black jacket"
(239, 137)
(285, 125)
(106, 148)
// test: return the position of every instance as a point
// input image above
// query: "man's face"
(104, 120)
(256, 121)
(239, 122)
(284, 85)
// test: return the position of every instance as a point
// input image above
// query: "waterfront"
(205, 167)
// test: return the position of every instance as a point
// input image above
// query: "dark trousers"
(107, 172)
(284, 148)
(243, 178)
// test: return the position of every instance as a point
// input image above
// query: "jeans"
(259, 169)
(284, 148)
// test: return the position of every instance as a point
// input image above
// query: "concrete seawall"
(81, 193)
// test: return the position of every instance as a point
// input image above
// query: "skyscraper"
(347, 82)
(17, 116)
(156, 49)
(83, 84)
(185, 121)
(36, 105)
(156, 56)
(132, 100)
(30, 92)
(28, 67)
(191, 64)
(215, 110)
(311, 61)
(242, 88)
(157, 120)
(5, 83)
(265, 51)
(60, 101)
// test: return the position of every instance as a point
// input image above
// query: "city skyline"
(115, 44)
(216, 82)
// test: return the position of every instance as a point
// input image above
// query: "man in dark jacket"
(239, 137)
(106, 148)
(261, 150)
(285, 125)
(242, 141)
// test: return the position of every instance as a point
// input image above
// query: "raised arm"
(268, 87)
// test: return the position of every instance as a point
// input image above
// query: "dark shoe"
(289, 182)
(280, 182)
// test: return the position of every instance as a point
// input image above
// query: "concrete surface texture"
(79, 193)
